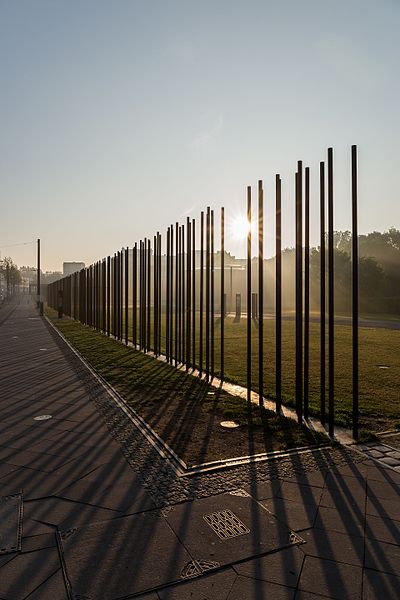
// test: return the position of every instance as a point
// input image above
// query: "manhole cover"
(226, 524)
(229, 424)
(10, 523)
(42, 417)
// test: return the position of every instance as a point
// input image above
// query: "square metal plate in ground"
(10, 523)
(147, 553)
(226, 524)
(267, 533)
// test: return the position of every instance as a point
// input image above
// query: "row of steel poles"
(173, 309)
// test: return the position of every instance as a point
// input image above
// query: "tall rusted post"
(176, 292)
(222, 361)
(278, 295)
(212, 299)
(188, 290)
(208, 293)
(260, 294)
(299, 292)
(155, 294)
(183, 304)
(194, 293)
(331, 307)
(38, 274)
(134, 296)
(354, 262)
(322, 252)
(201, 292)
(148, 295)
(167, 284)
(249, 294)
(126, 294)
(306, 288)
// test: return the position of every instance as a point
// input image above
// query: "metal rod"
(278, 295)
(38, 273)
(208, 294)
(354, 261)
(306, 289)
(148, 294)
(331, 307)
(134, 295)
(155, 295)
(201, 292)
(322, 252)
(222, 361)
(248, 294)
(167, 284)
(126, 294)
(188, 291)
(183, 303)
(260, 294)
(194, 293)
(299, 293)
(212, 302)
(176, 289)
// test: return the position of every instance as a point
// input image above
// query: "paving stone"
(127, 496)
(380, 585)
(375, 453)
(207, 587)
(52, 589)
(330, 578)
(357, 470)
(382, 556)
(392, 462)
(348, 522)
(34, 528)
(281, 567)
(345, 483)
(148, 554)
(344, 500)
(33, 460)
(380, 447)
(38, 542)
(300, 493)
(254, 589)
(381, 489)
(315, 478)
(26, 572)
(380, 473)
(264, 532)
(385, 530)
(301, 595)
(263, 490)
(295, 515)
(332, 545)
(65, 513)
(6, 469)
(384, 508)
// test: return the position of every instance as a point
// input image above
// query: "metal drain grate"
(226, 524)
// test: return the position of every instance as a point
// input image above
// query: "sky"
(119, 117)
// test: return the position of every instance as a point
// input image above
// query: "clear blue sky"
(117, 117)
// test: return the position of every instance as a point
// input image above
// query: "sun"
(240, 227)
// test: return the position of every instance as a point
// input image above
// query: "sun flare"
(240, 227)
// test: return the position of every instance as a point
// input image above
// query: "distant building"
(72, 267)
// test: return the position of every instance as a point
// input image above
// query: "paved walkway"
(77, 521)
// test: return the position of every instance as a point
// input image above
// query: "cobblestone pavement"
(90, 510)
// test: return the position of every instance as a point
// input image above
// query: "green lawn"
(184, 410)
(379, 398)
